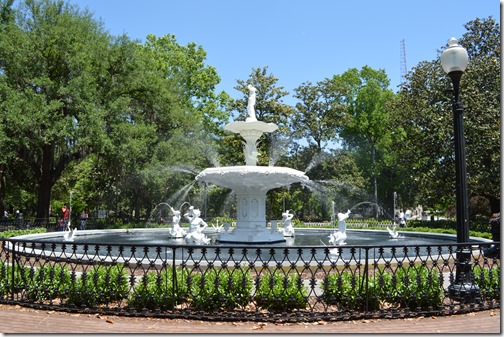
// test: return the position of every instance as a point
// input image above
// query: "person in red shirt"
(65, 212)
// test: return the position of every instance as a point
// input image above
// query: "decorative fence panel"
(234, 282)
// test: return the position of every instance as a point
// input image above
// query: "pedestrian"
(65, 214)
(402, 219)
(83, 219)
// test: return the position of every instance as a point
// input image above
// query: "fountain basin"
(251, 183)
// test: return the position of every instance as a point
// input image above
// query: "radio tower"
(404, 69)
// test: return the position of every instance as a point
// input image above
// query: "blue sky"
(299, 41)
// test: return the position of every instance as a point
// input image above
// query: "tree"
(366, 126)
(424, 111)
(51, 57)
(318, 115)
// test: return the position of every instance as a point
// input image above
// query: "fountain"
(251, 182)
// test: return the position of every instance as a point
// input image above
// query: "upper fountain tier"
(248, 178)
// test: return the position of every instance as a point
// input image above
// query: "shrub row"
(417, 288)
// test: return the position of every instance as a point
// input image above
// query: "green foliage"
(161, 290)
(354, 292)
(280, 292)
(423, 109)
(221, 289)
(103, 284)
(17, 232)
(9, 282)
(488, 281)
(415, 287)
(46, 282)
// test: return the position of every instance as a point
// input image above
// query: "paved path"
(16, 319)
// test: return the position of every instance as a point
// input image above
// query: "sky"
(298, 40)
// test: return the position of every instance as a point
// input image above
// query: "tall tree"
(366, 126)
(424, 111)
(50, 57)
(318, 114)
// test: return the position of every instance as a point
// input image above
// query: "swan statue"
(394, 234)
(69, 234)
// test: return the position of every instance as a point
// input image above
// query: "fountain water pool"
(308, 244)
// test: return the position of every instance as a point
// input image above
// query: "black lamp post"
(454, 61)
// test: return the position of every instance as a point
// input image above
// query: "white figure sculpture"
(251, 104)
(287, 229)
(196, 227)
(339, 237)
(176, 231)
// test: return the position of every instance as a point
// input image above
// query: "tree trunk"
(45, 183)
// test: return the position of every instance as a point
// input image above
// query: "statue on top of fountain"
(196, 227)
(287, 229)
(251, 104)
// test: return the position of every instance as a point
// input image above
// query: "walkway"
(16, 319)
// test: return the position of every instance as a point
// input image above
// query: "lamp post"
(454, 60)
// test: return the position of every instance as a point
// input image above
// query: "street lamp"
(454, 60)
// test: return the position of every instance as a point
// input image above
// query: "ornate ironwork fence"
(234, 282)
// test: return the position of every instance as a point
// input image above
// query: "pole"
(462, 289)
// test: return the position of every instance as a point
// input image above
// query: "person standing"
(402, 219)
(65, 214)
(83, 219)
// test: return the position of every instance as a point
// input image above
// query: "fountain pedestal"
(251, 221)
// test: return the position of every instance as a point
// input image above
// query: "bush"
(488, 280)
(8, 284)
(221, 289)
(418, 287)
(47, 282)
(281, 293)
(349, 291)
(104, 284)
(415, 287)
(159, 290)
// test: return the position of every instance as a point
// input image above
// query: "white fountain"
(251, 182)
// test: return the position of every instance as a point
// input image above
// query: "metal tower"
(404, 69)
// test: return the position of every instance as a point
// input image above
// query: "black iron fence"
(235, 282)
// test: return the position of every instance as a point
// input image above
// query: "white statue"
(251, 104)
(176, 231)
(196, 227)
(287, 229)
(339, 237)
(69, 234)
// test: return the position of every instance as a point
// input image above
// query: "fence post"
(366, 277)
(13, 266)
